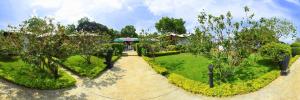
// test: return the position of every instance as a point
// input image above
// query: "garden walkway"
(133, 79)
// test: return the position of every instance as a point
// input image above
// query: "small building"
(177, 39)
(127, 41)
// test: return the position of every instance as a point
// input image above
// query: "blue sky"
(141, 13)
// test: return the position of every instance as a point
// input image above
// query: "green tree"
(297, 40)
(200, 43)
(232, 40)
(70, 29)
(89, 44)
(166, 24)
(41, 46)
(84, 24)
(129, 31)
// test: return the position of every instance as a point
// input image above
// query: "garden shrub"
(171, 47)
(157, 68)
(294, 59)
(224, 89)
(181, 48)
(78, 65)
(295, 48)
(118, 48)
(164, 53)
(295, 51)
(20, 73)
(296, 44)
(138, 49)
(275, 51)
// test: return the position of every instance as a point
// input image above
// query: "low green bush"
(224, 89)
(138, 49)
(27, 75)
(157, 68)
(295, 44)
(294, 59)
(79, 65)
(164, 53)
(115, 58)
(118, 48)
(181, 48)
(275, 51)
(295, 51)
(171, 47)
(257, 73)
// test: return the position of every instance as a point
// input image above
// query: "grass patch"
(115, 58)
(187, 65)
(191, 73)
(79, 65)
(26, 75)
(293, 59)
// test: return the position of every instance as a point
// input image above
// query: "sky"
(142, 13)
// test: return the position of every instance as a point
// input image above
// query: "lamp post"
(108, 58)
(210, 74)
(284, 64)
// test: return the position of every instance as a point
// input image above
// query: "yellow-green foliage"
(293, 59)
(21, 73)
(224, 89)
(157, 68)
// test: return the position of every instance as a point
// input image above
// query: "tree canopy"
(84, 24)
(166, 24)
(229, 41)
(129, 31)
(70, 29)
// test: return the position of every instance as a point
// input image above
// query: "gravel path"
(133, 79)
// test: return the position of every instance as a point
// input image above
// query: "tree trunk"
(88, 59)
(53, 65)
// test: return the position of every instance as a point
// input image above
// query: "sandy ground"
(133, 79)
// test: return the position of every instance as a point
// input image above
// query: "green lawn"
(196, 67)
(193, 67)
(24, 74)
(78, 64)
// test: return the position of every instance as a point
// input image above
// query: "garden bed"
(18, 72)
(78, 65)
(191, 73)
(163, 53)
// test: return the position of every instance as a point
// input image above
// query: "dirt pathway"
(133, 79)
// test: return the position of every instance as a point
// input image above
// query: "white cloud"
(297, 2)
(69, 11)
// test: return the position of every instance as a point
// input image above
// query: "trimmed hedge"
(222, 90)
(293, 59)
(165, 53)
(157, 68)
(296, 44)
(295, 51)
(115, 58)
(23, 74)
(77, 64)
(225, 89)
